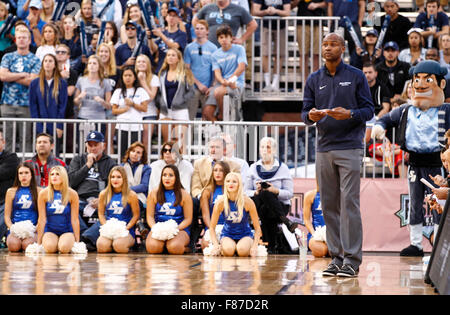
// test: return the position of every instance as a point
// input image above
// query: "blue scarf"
(264, 174)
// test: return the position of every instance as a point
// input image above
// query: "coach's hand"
(339, 113)
(316, 114)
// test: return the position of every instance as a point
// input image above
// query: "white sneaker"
(267, 88)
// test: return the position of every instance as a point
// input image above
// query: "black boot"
(290, 225)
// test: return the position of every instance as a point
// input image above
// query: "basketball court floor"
(138, 273)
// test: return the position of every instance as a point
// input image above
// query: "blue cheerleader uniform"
(317, 215)
(59, 217)
(167, 211)
(233, 228)
(218, 191)
(115, 209)
(23, 208)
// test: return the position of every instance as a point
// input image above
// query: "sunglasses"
(61, 52)
(130, 28)
(166, 150)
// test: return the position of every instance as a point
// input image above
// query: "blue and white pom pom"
(23, 229)
(114, 229)
(164, 231)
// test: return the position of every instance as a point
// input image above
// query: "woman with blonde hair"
(86, 14)
(118, 201)
(93, 92)
(150, 83)
(49, 40)
(108, 59)
(132, 13)
(237, 208)
(58, 225)
(177, 87)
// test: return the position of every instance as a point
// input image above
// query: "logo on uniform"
(59, 208)
(167, 209)
(115, 207)
(25, 201)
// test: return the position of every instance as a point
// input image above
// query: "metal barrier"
(290, 63)
(296, 141)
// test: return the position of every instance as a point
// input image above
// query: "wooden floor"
(194, 274)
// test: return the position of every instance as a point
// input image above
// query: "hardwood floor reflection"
(140, 273)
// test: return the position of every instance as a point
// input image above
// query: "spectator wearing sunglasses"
(124, 53)
(197, 57)
(171, 154)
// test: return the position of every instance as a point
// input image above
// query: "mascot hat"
(428, 66)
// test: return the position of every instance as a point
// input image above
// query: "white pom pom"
(320, 234)
(113, 229)
(164, 231)
(218, 229)
(34, 248)
(211, 250)
(23, 229)
(261, 251)
(79, 248)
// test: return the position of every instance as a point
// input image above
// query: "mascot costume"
(422, 126)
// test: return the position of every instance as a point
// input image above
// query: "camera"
(264, 185)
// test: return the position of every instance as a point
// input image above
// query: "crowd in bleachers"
(112, 60)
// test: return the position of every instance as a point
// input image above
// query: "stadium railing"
(296, 141)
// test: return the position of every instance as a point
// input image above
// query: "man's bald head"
(335, 37)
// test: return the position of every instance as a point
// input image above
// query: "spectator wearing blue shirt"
(48, 95)
(229, 64)
(17, 70)
(197, 57)
(34, 21)
(170, 38)
(124, 53)
(337, 98)
(441, 22)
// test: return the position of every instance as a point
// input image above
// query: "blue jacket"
(143, 186)
(45, 106)
(349, 89)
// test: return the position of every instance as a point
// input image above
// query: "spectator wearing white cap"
(416, 52)
(34, 21)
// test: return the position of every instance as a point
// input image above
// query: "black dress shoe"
(411, 251)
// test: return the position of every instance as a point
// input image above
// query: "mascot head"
(428, 84)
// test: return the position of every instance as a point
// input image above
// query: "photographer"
(270, 185)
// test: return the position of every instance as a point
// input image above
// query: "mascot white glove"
(378, 132)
